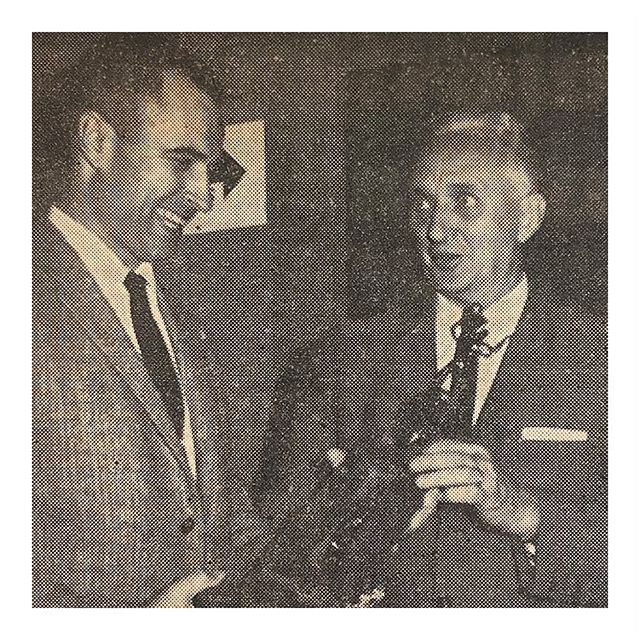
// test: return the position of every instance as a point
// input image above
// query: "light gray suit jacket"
(117, 514)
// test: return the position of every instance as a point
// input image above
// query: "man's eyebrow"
(461, 187)
(188, 151)
(417, 191)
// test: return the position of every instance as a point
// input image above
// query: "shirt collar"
(97, 256)
(502, 315)
(145, 269)
(103, 264)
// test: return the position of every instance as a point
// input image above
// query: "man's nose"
(435, 229)
(198, 188)
(438, 227)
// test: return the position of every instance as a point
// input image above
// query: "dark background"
(342, 113)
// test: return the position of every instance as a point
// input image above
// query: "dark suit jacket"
(347, 392)
(117, 515)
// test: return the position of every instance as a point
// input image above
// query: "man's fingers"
(468, 494)
(453, 477)
(179, 595)
(441, 460)
(429, 504)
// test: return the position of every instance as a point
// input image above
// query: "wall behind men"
(340, 113)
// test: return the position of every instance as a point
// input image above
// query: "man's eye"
(182, 164)
(466, 201)
(421, 211)
(422, 205)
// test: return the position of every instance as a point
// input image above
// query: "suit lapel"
(402, 362)
(413, 354)
(82, 297)
(525, 351)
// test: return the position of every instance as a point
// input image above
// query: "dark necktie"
(470, 334)
(154, 349)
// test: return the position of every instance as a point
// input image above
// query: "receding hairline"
(178, 76)
(130, 122)
(113, 81)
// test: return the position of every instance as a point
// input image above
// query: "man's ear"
(96, 138)
(532, 209)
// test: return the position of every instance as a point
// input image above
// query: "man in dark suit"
(129, 500)
(511, 508)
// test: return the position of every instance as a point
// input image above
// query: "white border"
(326, 16)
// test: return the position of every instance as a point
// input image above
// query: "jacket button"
(187, 525)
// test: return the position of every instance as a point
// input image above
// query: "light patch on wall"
(246, 204)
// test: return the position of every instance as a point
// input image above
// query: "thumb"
(179, 595)
(199, 581)
(429, 504)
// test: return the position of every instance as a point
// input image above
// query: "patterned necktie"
(470, 334)
(154, 349)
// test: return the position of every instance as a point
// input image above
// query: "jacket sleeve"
(571, 553)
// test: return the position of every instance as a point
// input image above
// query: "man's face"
(464, 209)
(158, 178)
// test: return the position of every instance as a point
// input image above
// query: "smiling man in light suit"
(512, 510)
(129, 502)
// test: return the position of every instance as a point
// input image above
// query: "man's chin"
(165, 240)
(451, 285)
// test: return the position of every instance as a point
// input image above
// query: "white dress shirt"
(109, 273)
(502, 318)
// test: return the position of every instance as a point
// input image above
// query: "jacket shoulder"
(572, 333)
(573, 316)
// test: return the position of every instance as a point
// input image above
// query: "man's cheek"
(152, 190)
(158, 176)
(482, 249)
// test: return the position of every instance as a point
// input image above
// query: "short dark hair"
(110, 79)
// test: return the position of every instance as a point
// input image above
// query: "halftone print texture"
(372, 274)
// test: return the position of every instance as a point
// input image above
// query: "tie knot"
(135, 282)
(473, 316)
(472, 325)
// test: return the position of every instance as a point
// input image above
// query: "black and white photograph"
(319, 320)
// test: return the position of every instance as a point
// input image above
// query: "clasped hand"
(463, 473)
